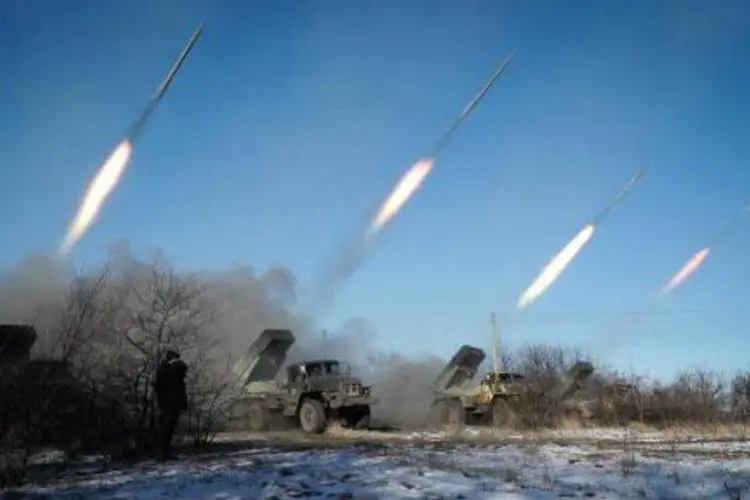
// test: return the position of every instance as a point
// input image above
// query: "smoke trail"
(355, 251)
(36, 291)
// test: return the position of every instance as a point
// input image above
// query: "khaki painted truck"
(457, 400)
(310, 393)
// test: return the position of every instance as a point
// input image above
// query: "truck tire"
(312, 417)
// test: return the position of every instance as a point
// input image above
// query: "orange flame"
(401, 193)
(96, 193)
(555, 267)
(687, 270)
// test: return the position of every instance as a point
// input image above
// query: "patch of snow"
(422, 470)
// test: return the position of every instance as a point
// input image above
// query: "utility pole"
(495, 344)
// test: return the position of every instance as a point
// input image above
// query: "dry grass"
(733, 431)
(568, 433)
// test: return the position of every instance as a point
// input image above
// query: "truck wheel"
(502, 414)
(312, 417)
(256, 417)
(456, 414)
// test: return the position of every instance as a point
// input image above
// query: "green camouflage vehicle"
(309, 393)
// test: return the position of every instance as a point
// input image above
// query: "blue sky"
(291, 119)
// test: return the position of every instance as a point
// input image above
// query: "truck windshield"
(327, 368)
(338, 368)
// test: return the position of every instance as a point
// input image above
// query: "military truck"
(308, 393)
(39, 395)
(458, 401)
(15, 345)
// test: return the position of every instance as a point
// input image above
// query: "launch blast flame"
(404, 189)
(687, 270)
(556, 266)
(97, 192)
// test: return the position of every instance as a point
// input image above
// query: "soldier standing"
(171, 396)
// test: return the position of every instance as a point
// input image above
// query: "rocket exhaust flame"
(415, 176)
(400, 194)
(687, 270)
(697, 259)
(354, 251)
(96, 194)
(555, 267)
(111, 171)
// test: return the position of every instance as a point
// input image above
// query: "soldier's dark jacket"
(170, 388)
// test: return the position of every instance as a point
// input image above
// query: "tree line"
(89, 385)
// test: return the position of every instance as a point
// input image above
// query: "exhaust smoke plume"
(241, 303)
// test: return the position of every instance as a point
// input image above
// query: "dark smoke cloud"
(245, 302)
(33, 291)
(404, 387)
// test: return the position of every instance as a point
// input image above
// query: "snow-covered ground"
(423, 465)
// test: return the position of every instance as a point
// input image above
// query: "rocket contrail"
(139, 124)
(562, 260)
(112, 169)
(696, 261)
(599, 218)
(446, 137)
(354, 252)
(412, 179)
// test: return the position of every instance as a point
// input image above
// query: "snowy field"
(473, 465)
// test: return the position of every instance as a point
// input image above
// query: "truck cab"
(321, 368)
(310, 391)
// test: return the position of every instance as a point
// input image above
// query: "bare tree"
(740, 396)
(544, 368)
(154, 309)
